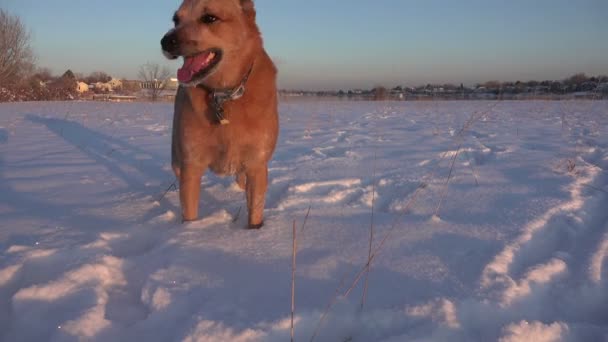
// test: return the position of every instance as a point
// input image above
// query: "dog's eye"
(176, 20)
(208, 19)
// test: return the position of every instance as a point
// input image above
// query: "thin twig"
(305, 218)
(238, 214)
(293, 269)
(293, 278)
(332, 301)
(596, 188)
(386, 236)
(371, 235)
(473, 169)
(172, 186)
(447, 182)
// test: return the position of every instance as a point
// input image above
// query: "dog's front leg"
(257, 182)
(189, 190)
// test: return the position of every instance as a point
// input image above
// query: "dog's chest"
(231, 153)
(227, 160)
(247, 141)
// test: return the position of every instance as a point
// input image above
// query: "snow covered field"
(514, 249)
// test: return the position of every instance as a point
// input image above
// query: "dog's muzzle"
(170, 45)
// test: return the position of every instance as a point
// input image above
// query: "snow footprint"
(328, 192)
(334, 152)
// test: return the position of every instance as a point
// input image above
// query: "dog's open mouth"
(198, 66)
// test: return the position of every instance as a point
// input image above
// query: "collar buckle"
(219, 97)
(218, 108)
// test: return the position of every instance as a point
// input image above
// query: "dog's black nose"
(170, 44)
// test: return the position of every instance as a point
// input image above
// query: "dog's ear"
(248, 8)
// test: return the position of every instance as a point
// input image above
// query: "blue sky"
(333, 44)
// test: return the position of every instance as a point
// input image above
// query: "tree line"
(21, 80)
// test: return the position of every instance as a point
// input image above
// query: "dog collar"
(221, 96)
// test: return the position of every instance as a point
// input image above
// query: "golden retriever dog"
(225, 115)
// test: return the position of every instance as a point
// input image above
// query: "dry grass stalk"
(293, 278)
(371, 235)
(306, 218)
(173, 186)
(447, 182)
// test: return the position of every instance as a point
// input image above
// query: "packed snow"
(489, 220)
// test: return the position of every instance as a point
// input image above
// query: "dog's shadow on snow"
(108, 151)
(120, 158)
(29, 206)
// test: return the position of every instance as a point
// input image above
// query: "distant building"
(114, 84)
(101, 87)
(108, 87)
(172, 84)
(169, 84)
(130, 87)
(114, 98)
(82, 87)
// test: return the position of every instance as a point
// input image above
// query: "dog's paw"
(185, 220)
(256, 226)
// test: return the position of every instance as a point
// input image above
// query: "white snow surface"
(515, 248)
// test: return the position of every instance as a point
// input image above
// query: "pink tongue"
(192, 65)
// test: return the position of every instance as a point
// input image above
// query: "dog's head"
(216, 38)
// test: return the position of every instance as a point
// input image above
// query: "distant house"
(130, 87)
(541, 89)
(103, 87)
(602, 88)
(114, 98)
(509, 89)
(583, 95)
(170, 84)
(82, 87)
(108, 87)
(115, 84)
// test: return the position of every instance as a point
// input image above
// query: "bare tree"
(577, 79)
(16, 57)
(130, 87)
(43, 75)
(155, 79)
(98, 76)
